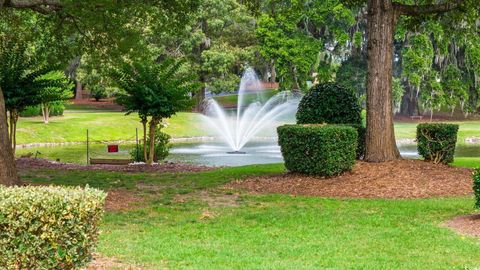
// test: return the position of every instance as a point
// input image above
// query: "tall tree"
(382, 19)
(154, 90)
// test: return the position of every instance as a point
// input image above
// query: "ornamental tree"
(155, 91)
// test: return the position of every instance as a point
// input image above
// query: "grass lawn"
(102, 125)
(110, 126)
(270, 231)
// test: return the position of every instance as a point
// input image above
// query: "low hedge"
(324, 150)
(436, 141)
(476, 187)
(48, 227)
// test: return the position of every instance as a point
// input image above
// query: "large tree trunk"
(8, 171)
(380, 139)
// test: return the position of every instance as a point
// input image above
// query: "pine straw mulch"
(166, 167)
(394, 179)
(466, 225)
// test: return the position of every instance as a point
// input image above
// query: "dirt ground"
(395, 179)
(466, 225)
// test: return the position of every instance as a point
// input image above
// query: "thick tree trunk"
(380, 139)
(8, 171)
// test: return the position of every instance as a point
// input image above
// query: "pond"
(203, 153)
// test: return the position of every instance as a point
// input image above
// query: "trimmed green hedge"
(329, 103)
(476, 187)
(48, 227)
(324, 150)
(436, 141)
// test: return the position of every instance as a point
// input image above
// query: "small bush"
(31, 111)
(329, 103)
(56, 109)
(436, 141)
(318, 149)
(476, 187)
(162, 147)
(48, 227)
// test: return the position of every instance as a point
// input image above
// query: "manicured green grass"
(110, 126)
(270, 231)
(467, 162)
(467, 129)
(102, 125)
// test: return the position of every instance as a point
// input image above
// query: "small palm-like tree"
(155, 91)
(26, 82)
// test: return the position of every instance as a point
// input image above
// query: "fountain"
(253, 113)
(244, 134)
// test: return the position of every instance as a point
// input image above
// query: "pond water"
(205, 153)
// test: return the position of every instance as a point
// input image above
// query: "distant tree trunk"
(45, 113)
(8, 170)
(380, 138)
(78, 91)
(409, 102)
(13, 129)
(151, 151)
(200, 94)
(144, 125)
(273, 71)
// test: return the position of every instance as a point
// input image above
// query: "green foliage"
(25, 81)
(48, 227)
(330, 104)
(476, 186)
(324, 150)
(436, 142)
(397, 94)
(151, 89)
(352, 74)
(31, 111)
(294, 34)
(56, 109)
(162, 147)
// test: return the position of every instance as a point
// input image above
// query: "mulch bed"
(38, 163)
(394, 179)
(466, 225)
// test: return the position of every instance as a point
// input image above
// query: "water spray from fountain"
(253, 114)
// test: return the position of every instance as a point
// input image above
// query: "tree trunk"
(14, 116)
(78, 91)
(380, 138)
(144, 125)
(8, 171)
(151, 150)
(45, 113)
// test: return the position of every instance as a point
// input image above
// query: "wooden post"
(88, 150)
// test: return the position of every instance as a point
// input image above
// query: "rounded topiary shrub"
(48, 227)
(324, 150)
(329, 103)
(436, 141)
(476, 187)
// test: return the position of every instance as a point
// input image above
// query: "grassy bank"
(224, 231)
(110, 126)
(102, 125)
